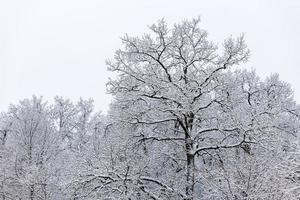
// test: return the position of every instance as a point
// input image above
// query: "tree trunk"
(190, 175)
(190, 178)
(31, 192)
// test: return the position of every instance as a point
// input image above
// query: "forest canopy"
(185, 123)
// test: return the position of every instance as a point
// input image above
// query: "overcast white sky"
(58, 47)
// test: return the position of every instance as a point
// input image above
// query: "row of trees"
(183, 125)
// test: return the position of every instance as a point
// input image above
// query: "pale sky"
(58, 47)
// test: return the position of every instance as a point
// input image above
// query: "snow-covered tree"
(32, 143)
(181, 92)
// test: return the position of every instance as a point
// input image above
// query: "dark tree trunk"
(31, 192)
(190, 177)
(190, 167)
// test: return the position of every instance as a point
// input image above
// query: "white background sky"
(58, 47)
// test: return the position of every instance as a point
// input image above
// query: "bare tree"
(180, 88)
(32, 142)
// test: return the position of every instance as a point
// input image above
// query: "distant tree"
(6, 161)
(32, 143)
(72, 124)
(178, 89)
(64, 114)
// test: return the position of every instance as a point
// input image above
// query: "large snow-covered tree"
(181, 91)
